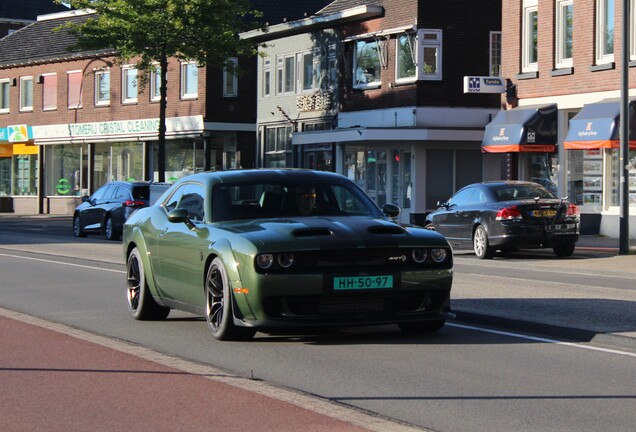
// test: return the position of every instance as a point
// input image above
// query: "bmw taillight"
(509, 213)
(573, 210)
(131, 203)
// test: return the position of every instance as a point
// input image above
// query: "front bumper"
(311, 300)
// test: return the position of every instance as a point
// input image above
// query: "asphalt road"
(465, 378)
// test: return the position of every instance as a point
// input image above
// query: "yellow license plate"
(544, 213)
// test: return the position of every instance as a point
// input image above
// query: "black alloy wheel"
(218, 305)
(77, 227)
(140, 302)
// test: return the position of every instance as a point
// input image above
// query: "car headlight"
(286, 260)
(439, 255)
(265, 261)
(419, 255)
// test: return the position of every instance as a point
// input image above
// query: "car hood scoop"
(383, 229)
(312, 232)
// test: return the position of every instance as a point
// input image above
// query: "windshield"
(277, 199)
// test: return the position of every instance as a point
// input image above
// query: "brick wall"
(583, 79)
(89, 112)
(466, 28)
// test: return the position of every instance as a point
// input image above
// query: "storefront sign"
(16, 133)
(117, 129)
(477, 84)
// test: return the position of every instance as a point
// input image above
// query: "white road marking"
(63, 263)
(544, 340)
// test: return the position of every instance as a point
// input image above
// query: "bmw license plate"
(362, 282)
(544, 213)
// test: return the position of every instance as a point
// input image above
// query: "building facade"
(71, 121)
(564, 57)
(396, 120)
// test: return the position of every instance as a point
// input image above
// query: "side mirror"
(391, 210)
(180, 215)
(85, 198)
(442, 204)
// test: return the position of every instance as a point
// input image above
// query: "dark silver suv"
(107, 209)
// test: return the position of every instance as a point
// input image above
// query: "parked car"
(267, 249)
(507, 216)
(105, 211)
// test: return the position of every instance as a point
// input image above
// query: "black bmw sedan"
(507, 216)
(107, 209)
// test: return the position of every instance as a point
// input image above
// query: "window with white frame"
(189, 80)
(563, 33)
(367, 64)
(230, 79)
(332, 67)
(74, 80)
(5, 86)
(406, 57)
(307, 71)
(604, 31)
(102, 87)
(280, 68)
(155, 83)
(26, 93)
(267, 77)
(278, 147)
(49, 92)
(495, 53)
(129, 84)
(529, 36)
(289, 74)
(430, 50)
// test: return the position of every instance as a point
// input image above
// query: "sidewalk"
(56, 378)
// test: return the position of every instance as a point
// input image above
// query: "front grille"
(348, 306)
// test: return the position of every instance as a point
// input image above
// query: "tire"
(420, 327)
(480, 243)
(563, 251)
(140, 302)
(218, 306)
(109, 230)
(77, 227)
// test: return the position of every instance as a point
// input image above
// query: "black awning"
(597, 126)
(524, 129)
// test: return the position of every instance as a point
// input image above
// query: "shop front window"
(615, 185)
(127, 161)
(369, 170)
(63, 170)
(25, 174)
(183, 157)
(585, 178)
(5, 176)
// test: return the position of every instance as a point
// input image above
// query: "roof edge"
(314, 22)
(65, 14)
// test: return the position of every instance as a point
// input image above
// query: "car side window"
(121, 193)
(99, 193)
(190, 198)
(172, 201)
(463, 197)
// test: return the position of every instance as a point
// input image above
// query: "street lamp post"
(624, 135)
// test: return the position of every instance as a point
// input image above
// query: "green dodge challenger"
(267, 249)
